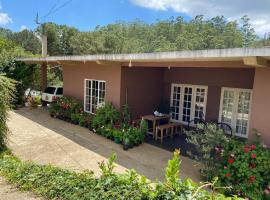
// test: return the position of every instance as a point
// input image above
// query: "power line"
(52, 8)
(56, 9)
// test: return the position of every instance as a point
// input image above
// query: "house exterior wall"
(260, 110)
(75, 74)
(142, 88)
(214, 78)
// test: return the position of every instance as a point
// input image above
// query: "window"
(50, 90)
(94, 94)
(188, 102)
(235, 109)
(59, 91)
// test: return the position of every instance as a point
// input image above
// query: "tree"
(28, 40)
(248, 32)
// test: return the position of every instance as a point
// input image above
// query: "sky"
(87, 14)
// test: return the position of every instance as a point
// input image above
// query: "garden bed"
(107, 121)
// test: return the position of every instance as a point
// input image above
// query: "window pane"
(175, 102)
(227, 107)
(199, 104)
(187, 104)
(242, 115)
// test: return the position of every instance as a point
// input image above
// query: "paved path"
(36, 136)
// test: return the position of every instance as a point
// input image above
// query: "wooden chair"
(164, 131)
(177, 129)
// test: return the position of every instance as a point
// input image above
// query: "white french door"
(235, 109)
(188, 102)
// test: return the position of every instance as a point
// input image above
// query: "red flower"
(253, 147)
(230, 160)
(246, 149)
(251, 179)
(253, 156)
(252, 165)
(228, 175)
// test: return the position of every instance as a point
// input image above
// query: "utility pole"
(43, 37)
(44, 66)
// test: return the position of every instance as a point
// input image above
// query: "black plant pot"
(125, 147)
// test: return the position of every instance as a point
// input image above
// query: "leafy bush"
(205, 144)
(35, 101)
(126, 114)
(82, 119)
(55, 183)
(64, 107)
(242, 166)
(7, 90)
(105, 115)
(246, 167)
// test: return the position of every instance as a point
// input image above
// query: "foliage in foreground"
(7, 89)
(55, 183)
(241, 164)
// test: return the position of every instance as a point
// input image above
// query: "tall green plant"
(211, 139)
(7, 90)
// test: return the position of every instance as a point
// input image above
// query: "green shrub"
(126, 114)
(7, 91)
(35, 101)
(55, 183)
(105, 115)
(246, 167)
(64, 107)
(204, 145)
(242, 166)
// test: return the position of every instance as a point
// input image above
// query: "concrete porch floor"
(37, 137)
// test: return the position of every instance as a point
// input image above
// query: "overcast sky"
(86, 14)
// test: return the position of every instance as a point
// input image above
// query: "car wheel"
(44, 103)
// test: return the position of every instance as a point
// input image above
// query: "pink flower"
(253, 147)
(225, 167)
(266, 191)
(253, 156)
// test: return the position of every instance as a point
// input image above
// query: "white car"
(51, 94)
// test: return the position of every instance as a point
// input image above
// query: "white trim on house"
(90, 96)
(233, 123)
(193, 100)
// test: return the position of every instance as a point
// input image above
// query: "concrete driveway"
(38, 137)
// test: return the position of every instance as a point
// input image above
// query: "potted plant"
(126, 143)
(118, 136)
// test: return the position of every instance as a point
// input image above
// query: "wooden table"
(155, 121)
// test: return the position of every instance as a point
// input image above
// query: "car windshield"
(50, 90)
(59, 91)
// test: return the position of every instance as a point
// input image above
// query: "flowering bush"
(246, 167)
(63, 108)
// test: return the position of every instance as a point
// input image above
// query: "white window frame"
(90, 96)
(193, 101)
(235, 107)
